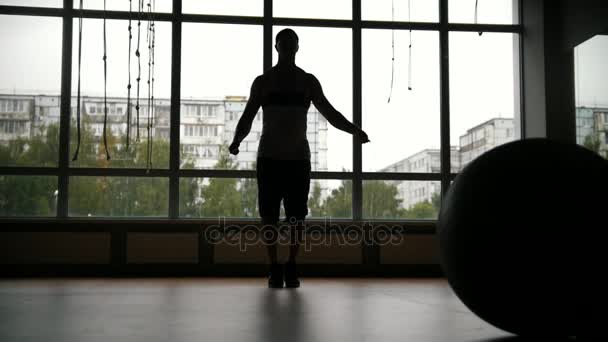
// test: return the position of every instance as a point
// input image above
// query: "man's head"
(287, 42)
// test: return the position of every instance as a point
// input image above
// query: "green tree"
(380, 200)
(436, 201)
(249, 195)
(188, 192)
(122, 196)
(339, 202)
(34, 195)
(315, 202)
(422, 210)
(592, 142)
(221, 196)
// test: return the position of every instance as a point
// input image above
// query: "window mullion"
(445, 95)
(357, 200)
(174, 136)
(64, 120)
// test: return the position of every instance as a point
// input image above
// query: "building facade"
(206, 125)
(427, 161)
(484, 137)
(473, 143)
(592, 129)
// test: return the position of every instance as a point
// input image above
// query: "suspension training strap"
(105, 85)
(129, 82)
(409, 65)
(78, 91)
(138, 55)
(390, 94)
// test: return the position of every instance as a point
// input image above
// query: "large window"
(441, 62)
(219, 64)
(326, 53)
(483, 111)
(30, 65)
(151, 122)
(591, 73)
(405, 131)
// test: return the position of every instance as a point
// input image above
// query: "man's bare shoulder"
(313, 82)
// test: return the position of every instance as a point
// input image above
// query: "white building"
(474, 143)
(592, 127)
(485, 137)
(427, 161)
(205, 124)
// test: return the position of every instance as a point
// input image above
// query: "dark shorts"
(286, 180)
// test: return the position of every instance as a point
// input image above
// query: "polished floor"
(231, 309)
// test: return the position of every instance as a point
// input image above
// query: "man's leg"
(296, 208)
(269, 202)
(296, 231)
(270, 236)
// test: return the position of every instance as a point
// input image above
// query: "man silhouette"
(285, 93)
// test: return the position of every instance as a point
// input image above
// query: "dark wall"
(582, 19)
(552, 28)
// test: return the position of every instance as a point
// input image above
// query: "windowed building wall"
(202, 83)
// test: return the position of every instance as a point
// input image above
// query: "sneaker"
(275, 279)
(291, 275)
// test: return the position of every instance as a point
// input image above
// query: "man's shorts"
(286, 180)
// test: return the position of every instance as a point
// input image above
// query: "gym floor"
(236, 309)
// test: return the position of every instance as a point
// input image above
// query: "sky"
(220, 60)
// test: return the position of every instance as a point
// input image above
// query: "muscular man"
(285, 93)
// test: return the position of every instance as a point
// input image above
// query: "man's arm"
(244, 126)
(334, 117)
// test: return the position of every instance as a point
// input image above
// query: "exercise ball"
(511, 230)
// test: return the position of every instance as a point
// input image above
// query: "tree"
(339, 202)
(249, 195)
(380, 200)
(33, 195)
(422, 210)
(315, 202)
(121, 196)
(592, 142)
(221, 196)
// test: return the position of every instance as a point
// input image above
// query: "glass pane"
(218, 197)
(28, 195)
(33, 3)
(30, 64)
(123, 5)
(413, 10)
(483, 82)
(592, 94)
(405, 132)
(92, 151)
(238, 198)
(224, 7)
(330, 198)
(401, 199)
(317, 9)
(118, 196)
(488, 11)
(215, 89)
(327, 54)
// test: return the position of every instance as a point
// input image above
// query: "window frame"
(68, 13)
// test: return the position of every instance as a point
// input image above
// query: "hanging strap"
(78, 86)
(153, 108)
(476, 15)
(105, 85)
(140, 5)
(129, 82)
(390, 94)
(149, 83)
(409, 64)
